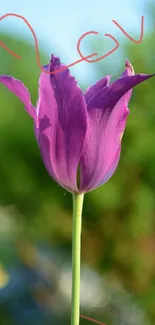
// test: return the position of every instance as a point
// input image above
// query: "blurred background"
(118, 238)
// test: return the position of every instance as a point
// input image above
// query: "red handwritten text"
(78, 43)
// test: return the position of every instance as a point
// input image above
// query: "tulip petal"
(129, 71)
(110, 95)
(106, 124)
(112, 168)
(102, 145)
(61, 124)
(95, 89)
(18, 88)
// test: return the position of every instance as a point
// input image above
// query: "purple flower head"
(76, 131)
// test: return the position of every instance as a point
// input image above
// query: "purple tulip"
(76, 131)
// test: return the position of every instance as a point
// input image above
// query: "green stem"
(76, 257)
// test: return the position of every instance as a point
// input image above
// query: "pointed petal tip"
(54, 62)
(129, 67)
(19, 90)
(127, 61)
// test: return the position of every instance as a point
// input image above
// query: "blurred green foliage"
(119, 218)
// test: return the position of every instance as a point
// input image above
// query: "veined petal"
(107, 115)
(95, 89)
(102, 145)
(61, 124)
(112, 168)
(18, 88)
(110, 95)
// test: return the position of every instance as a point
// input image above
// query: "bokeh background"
(118, 239)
